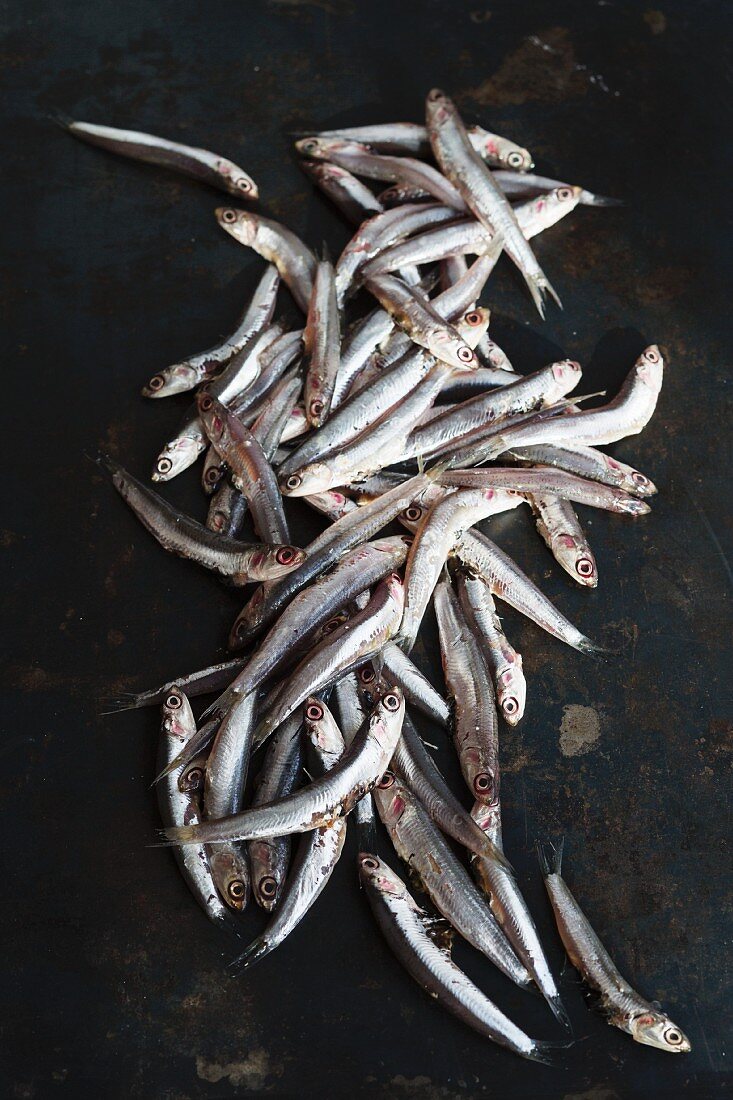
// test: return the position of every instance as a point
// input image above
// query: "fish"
(623, 1006)
(412, 937)
(324, 799)
(225, 778)
(354, 573)
(322, 339)
(350, 531)
(560, 528)
(626, 414)
(506, 580)
(357, 346)
(353, 642)
(250, 472)
(191, 161)
(279, 775)
(180, 808)
(515, 186)
(239, 562)
(475, 721)
(419, 842)
(189, 373)
(201, 682)
(331, 503)
(412, 139)
(319, 850)
(502, 660)
(360, 160)
(353, 198)
(226, 510)
(546, 480)
(435, 539)
(276, 244)
(585, 462)
(417, 688)
(482, 195)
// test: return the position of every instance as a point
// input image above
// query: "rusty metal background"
(113, 982)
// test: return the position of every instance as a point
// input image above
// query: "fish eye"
(386, 781)
(156, 382)
(408, 540)
(465, 354)
(229, 216)
(367, 675)
(391, 701)
(236, 889)
(515, 160)
(314, 712)
(672, 1036)
(293, 482)
(316, 407)
(240, 628)
(205, 402)
(194, 776)
(473, 318)
(584, 566)
(639, 479)
(164, 466)
(213, 474)
(370, 863)
(564, 193)
(268, 886)
(651, 356)
(332, 624)
(482, 783)
(173, 702)
(244, 184)
(310, 146)
(510, 705)
(285, 555)
(413, 513)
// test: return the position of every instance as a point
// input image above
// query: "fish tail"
(550, 857)
(585, 645)
(558, 1011)
(546, 1052)
(178, 834)
(60, 119)
(537, 296)
(254, 951)
(117, 703)
(548, 288)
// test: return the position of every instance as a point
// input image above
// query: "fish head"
(565, 198)
(271, 562)
(567, 374)
(176, 379)
(438, 107)
(239, 224)
(392, 798)
(309, 480)
(649, 368)
(321, 148)
(654, 1029)
(395, 590)
(231, 875)
(446, 344)
(375, 872)
(213, 416)
(321, 728)
(175, 457)
(517, 159)
(511, 691)
(576, 558)
(178, 720)
(248, 619)
(238, 182)
(473, 325)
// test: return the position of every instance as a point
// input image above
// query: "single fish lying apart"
(405, 429)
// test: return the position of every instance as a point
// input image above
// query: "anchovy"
(481, 193)
(350, 531)
(507, 581)
(476, 726)
(226, 510)
(318, 852)
(543, 387)
(417, 688)
(250, 471)
(353, 198)
(278, 777)
(322, 340)
(187, 374)
(503, 661)
(543, 479)
(280, 246)
(238, 561)
(436, 537)
(560, 528)
(585, 462)
(360, 160)
(465, 384)
(226, 775)
(323, 800)
(352, 643)
(420, 843)
(627, 414)
(275, 413)
(625, 1009)
(520, 186)
(411, 138)
(427, 958)
(180, 808)
(199, 163)
(358, 344)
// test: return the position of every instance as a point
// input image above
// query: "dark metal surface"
(114, 984)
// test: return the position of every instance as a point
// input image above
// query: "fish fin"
(176, 834)
(550, 857)
(118, 703)
(62, 120)
(537, 296)
(585, 645)
(559, 1012)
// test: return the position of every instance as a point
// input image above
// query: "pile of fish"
(388, 405)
